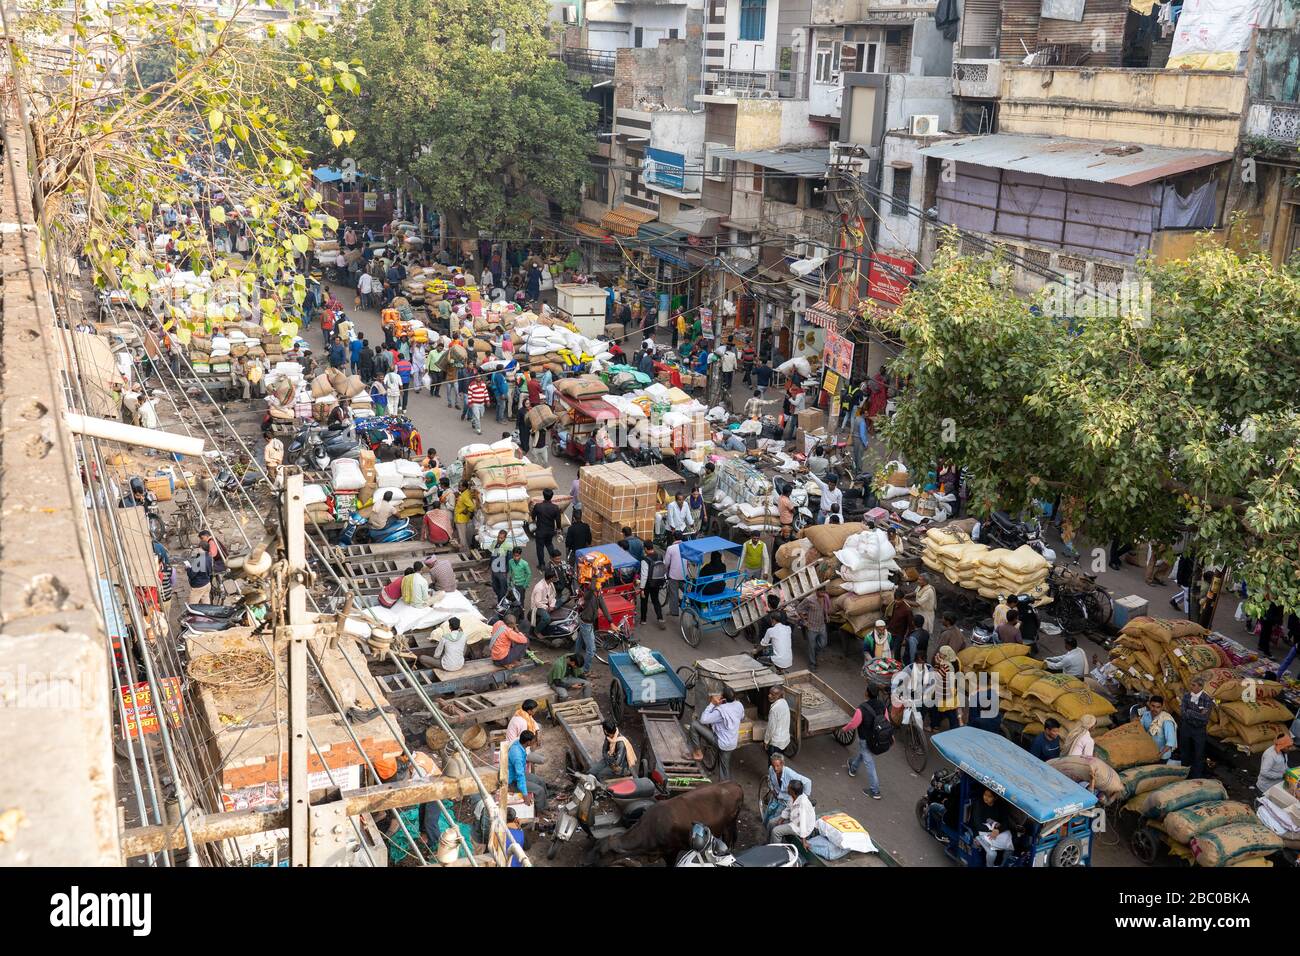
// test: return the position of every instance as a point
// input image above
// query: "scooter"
(560, 632)
(397, 529)
(707, 850)
(631, 797)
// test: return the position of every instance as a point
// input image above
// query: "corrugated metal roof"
(625, 220)
(806, 163)
(1122, 164)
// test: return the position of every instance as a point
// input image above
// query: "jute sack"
(320, 386)
(541, 481)
(1234, 843)
(1096, 774)
(1260, 712)
(1159, 803)
(1152, 776)
(354, 387)
(1201, 818)
(860, 604)
(540, 417)
(1127, 746)
(828, 538)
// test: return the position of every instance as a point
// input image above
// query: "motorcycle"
(397, 529)
(631, 797)
(798, 494)
(707, 850)
(1003, 531)
(560, 631)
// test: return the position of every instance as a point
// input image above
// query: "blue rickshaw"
(710, 591)
(1050, 817)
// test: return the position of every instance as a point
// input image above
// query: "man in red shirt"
(327, 325)
(477, 398)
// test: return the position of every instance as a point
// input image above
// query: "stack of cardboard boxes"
(617, 496)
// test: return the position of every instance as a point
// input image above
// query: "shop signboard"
(370, 202)
(888, 277)
(139, 709)
(837, 356)
(666, 168)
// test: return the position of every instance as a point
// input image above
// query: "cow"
(665, 829)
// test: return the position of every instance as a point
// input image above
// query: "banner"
(138, 705)
(837, 356)
(888, 277)
(1211, 34)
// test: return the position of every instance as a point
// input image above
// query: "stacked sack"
(1205, 827)
(1156, 656)
(407, 477)
(858, 601)
(992, 572)
(539, 479)
(332, 386)
(745, 499)
(1029, 693)
(498, 474)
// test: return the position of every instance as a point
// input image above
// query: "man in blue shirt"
(778, 781)
(336, 354)
(500, 392)
(520, 780)
(860, 438)
(1160, 725)
(1047, 745)
(354, 356)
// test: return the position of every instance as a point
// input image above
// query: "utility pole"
(295, 632)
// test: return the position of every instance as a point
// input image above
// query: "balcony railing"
(759, 84)
(1275, 121)
(600, 62)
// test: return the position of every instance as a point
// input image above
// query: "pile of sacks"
(1029, 693)
(745, 499)
(1158, 656)
(855, 563)
(334, 385)
(556, 347)
(498, 474)
(1203, 826)
(992, 572)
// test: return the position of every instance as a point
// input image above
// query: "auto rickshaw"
(585, 415)
(1050, 818)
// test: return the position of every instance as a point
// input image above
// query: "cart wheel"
(1067, 853)
(691, 628)
(688, 675)
(923, 813)
(843, 737)
(764, 795)
(617, 701)
(569, 761)
(1144, 846)
(792, 747)
(729, 628)
(710, 752)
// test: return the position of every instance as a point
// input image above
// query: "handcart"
(632, 688)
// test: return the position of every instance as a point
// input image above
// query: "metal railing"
(600, 62)
(760, 84)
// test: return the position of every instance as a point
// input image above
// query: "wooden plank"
(494, 705)
(666, 739)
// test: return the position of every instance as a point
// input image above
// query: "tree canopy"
(465, 107)
(1147, 425)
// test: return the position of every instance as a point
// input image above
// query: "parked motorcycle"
(1000, 530)
(631, 797)
(707, 850)
(397, 529)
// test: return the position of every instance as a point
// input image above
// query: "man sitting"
(617, 758)
(508, 645)
(798, 819)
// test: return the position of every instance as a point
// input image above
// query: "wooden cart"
(815, 708)
(581, 722)
(666, 753)
(494, 704)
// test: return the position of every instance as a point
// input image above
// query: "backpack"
(880, 737)
(658, 573)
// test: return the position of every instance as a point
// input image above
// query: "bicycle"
(916, 744)
(620, 638)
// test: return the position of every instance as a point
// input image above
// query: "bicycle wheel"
(710, 752)
(688, 675)
(917, 746)
(691, 630)
(617, 701)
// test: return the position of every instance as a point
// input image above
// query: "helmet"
(701, 837)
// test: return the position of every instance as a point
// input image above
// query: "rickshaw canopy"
(1015, 775)
(619, 558)
(698, 549)
(593, 409)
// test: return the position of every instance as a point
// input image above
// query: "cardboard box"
(1127, 608)
(811, 419)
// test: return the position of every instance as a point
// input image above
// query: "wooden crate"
(160, 486)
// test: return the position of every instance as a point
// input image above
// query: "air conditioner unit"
(768, 94)
(925, 125)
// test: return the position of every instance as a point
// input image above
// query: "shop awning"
(591, 232)
(804, 163)
(821, 314)
(1121, 164)
(625, 220)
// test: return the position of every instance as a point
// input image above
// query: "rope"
(233, 669)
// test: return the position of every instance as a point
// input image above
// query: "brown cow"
(665, 829)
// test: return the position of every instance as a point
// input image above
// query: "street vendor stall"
(579, 419)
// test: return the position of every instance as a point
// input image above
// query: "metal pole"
(295, 553)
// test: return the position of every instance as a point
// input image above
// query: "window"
(672, 33)
(784, 189)
(827, 62)
(600, 180)
(818, 192)
(900, 196)
(758, 179)
(753, 19)
(639, 37)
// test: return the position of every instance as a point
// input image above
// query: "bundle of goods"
(1030, 694)
(540, 479)
(498, 474)
(1156, 656)
(319, 502)
(1094, 773)
(1202, 825)
(582, 388)
(866, 565)
(558, 348)
(990, 571)
(1279, 810)
(744, 497)
(615, 496)
(409, 477)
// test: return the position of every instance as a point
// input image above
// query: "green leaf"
(215, 119)
(336, 138)
(218, 214)
(349, 83)
(301, 242)
(332, 121)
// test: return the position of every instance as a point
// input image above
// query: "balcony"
(1279, 122)
(977, 79)
(759, 85)
(595, 62)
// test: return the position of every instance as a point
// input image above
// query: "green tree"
(465, 107)
(1150, 423)
(155, 105)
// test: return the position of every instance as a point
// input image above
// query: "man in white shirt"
(679, 514)
(798, 820)
(778, 638)
(728, 367)
(450, 654)
(777, 735)
(541, 601)
(719, 724)
(365, 285)
(832, 501)
(1073, 662)
(676, 574)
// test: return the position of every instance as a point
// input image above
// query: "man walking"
(546, 518)
(476, 399)
(869, 720)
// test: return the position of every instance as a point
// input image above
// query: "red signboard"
(141, 715)
(888, 277)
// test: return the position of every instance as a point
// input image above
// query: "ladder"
(794, 588)
(399, 684)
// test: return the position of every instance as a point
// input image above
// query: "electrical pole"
(295, 632)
